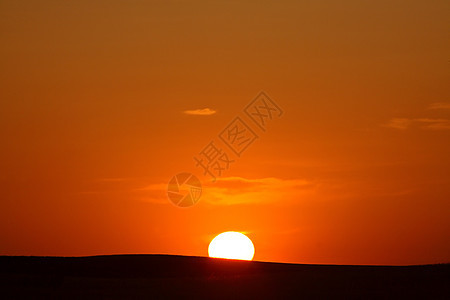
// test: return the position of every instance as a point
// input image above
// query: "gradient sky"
(93, 96)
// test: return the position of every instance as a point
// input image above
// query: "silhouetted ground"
(167, 276)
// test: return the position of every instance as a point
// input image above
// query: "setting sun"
(231, 245)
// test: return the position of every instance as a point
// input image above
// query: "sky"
(103, 102)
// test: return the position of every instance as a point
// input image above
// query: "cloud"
(422, 123)
(232, 191)
(238, 190)
(439, 105)
(153, 193)
(200, 112)
(434, 124)
(398, 123)
(114, 179)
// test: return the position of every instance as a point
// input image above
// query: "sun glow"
(231, 245)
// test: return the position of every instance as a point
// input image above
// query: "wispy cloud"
(114, 179)
(200, 112)
(238, 190)
(422, 123)
(434, 124)
(230, 191)
(440, 105)
(153, 193)
(425, 123)
(398, 123)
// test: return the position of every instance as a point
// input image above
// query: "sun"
(231, 245)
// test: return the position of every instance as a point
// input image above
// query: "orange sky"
(356, 171)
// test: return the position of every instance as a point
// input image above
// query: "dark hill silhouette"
(169, 276)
